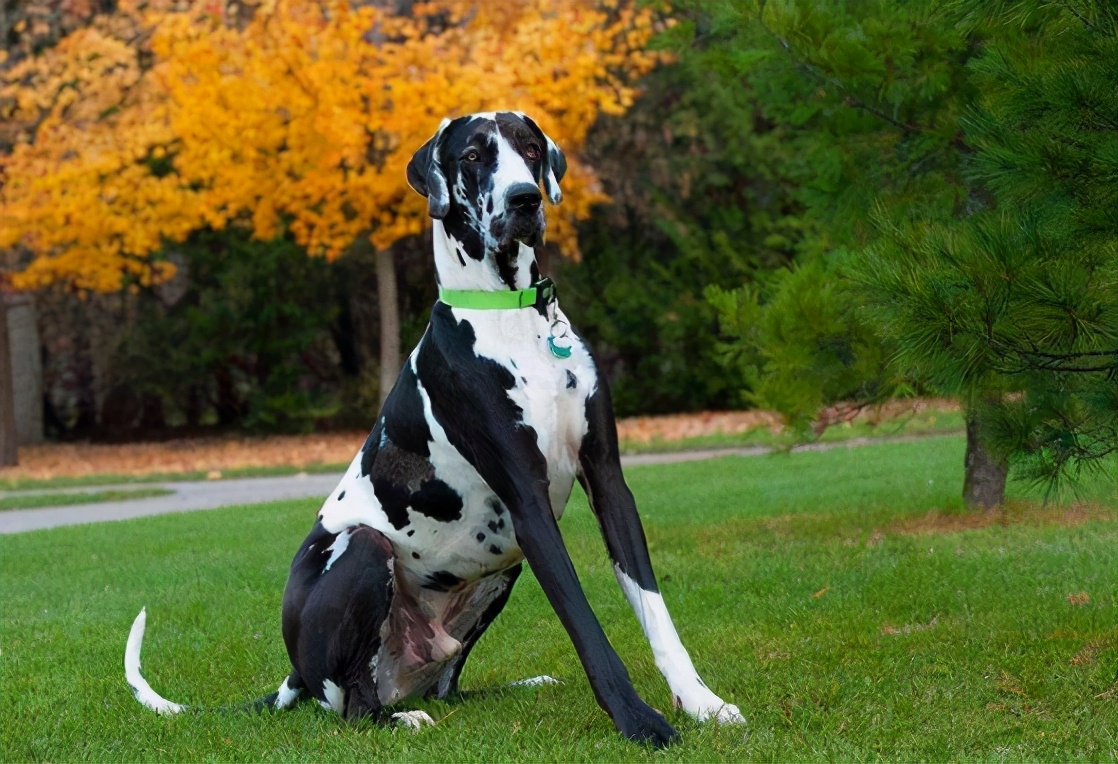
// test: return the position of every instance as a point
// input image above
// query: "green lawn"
(37, 500)
(795, 581)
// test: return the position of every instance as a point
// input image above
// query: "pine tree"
(962, 158)
(1021, 298)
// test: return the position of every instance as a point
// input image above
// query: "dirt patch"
(909, 628)
(1013, 513)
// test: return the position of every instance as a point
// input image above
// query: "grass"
(830, 595)
(38, 500)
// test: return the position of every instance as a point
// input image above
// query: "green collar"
(539, 294)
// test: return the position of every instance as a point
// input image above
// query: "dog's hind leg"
(338, 597)
(613, 504)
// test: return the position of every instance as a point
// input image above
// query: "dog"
(498, 410)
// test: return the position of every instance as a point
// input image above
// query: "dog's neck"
(492, 270)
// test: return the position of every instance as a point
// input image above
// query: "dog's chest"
(446, 524)
(550, 391)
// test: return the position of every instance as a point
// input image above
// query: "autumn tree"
(298, 120)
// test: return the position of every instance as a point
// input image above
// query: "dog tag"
(559, 351)
(559, 343)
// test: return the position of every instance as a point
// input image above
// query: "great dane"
(497, 411)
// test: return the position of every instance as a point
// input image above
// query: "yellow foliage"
(301, 118)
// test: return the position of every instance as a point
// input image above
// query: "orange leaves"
(152, 123)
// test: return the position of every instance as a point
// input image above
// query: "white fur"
(535, 681)
(414, 720)
(285, 696)
(517, 340)
(337, 549)
(335, 697)
(672, 659)
(140, 688)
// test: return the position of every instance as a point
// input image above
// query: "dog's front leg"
(511, 463)
(613, 504)
(540, 540)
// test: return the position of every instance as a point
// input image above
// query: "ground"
(843, 599)
(242, 456)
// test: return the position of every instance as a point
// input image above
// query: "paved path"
(188, 496)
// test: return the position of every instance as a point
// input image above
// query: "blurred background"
(800, 209)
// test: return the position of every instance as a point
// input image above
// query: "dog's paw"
(705, 706)
(642, 723)
(413, 720)
(727, 713)
(535, 681)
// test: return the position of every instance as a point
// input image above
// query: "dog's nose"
(523, 197)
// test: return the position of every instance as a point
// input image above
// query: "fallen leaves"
(219, 454)
(909, 628)
(212, 456)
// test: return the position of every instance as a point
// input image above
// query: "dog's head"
(481, 175)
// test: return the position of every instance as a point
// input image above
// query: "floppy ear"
(425, 174)
(555, 170)
(554, 165)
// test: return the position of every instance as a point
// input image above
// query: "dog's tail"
(287, 694)
(140, 687)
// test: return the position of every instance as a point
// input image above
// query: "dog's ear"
(425, 174)
(554, 163)
(554, 172)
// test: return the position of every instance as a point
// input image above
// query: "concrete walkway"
(189, 496)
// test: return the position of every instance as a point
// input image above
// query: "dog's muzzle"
(523, 219)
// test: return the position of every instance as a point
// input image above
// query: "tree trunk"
(984, 483)
(27, 369)
(389, 305)
(9, 438)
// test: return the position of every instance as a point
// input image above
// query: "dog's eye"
(532, 152)
(472, 156)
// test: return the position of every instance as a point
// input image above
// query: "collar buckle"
(546, 293)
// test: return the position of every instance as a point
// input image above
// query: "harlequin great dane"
(497, 411)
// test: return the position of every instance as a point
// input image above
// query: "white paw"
(535, 681)
(413, 720)
(704, 705)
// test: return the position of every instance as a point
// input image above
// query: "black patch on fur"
(332, 624)
(572, 380)
(403, 417)
(442, 581)
(415, 555)
(506, 263)
(493, 525)
(341, 495)
(371, 448)
(493, 548)
(481, 537)
(403, 480)
(438, 501)
(411, 532)
(610, 498)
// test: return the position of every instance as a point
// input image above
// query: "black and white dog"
(497, 411)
